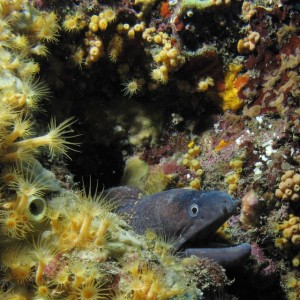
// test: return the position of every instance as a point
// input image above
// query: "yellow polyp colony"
(45, 27)
(19, 263)
(93, 42)
(108, 35)
(98, 32)
(296, 260)
(115, 48)
(20, 91)
(17, 147)
(292, 285)
(86, 224)
(91, 290)
(39, 49)
(81, 223)
(204, 83)
(32, 29)
(232, 178)
(166, 56)
(145, 283)
(248, 43)
(101, 21)
(230, 99)
(73, 23)
(289, 187)
(190, 161)
(94, 47)
(160, 246)
(15, 216)
(70, 245)
(143, 279)
(248, 10)
(290, 231)
(289, 238)
(130, 31)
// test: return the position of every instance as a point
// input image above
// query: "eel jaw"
(226, 256)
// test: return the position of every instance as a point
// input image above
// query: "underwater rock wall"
(196, 94)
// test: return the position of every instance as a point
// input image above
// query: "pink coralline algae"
(266, 267)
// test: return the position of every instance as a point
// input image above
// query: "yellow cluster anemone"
(18, 147)
(290, 232)
(130, 31)
(248, 43)
(166, 55)
(236, 164)
(151, 35)
(146, 283)
(20, 91)
(248, 10)
(94, 47)
(292, 285)
(12, 6)
(168, 59)
(72, 256)
(24, 32)
(45, 27)
(162, 246)
(289, 187)
(106, 36)
(204, 83)
(101, 21)
(232, 178)
(18, 263)
(73, 23)
(86, 224)
(115, 47)
(27, 208)
(70, 245)
(190, 161)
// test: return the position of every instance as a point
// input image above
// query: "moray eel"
(191, 217)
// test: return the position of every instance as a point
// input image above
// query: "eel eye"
(194, 210)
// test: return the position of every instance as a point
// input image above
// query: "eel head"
(190, 217)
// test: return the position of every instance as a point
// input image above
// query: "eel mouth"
(226, 255)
